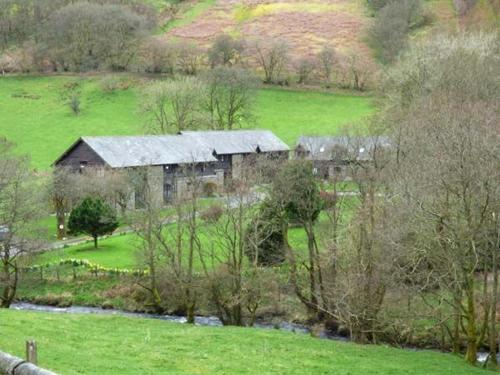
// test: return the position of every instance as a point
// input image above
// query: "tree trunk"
(493, 317)
(456, 329)
(61, 224)
(190, 312)
(95, 241)
(9, 290)
(471, 353)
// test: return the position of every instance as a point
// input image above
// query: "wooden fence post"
(31, 352)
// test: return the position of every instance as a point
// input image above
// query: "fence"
(94, 269)
(10, 365)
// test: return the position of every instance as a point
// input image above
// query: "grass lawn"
(35, 115)
(113, 252)
(84, 291)
(86, 344)
(121, 251)
(291, 114)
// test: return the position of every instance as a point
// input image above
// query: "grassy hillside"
(85, 344)
(34, 112)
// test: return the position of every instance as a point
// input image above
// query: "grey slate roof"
(239, 141)
(134, 151)
(342, 147)
(186, 147)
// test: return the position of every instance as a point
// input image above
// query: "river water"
(210, 321)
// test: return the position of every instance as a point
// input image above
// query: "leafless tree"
(272, 57)
(305, 67)
(327, 58)
(236, 287)
(157, 56)
(62, 195)
(68, 187)
(229, 97)
(365, 273)
(148, 224)
(226, 51)
(21, 204)
(448, 171)
(169, 247)
(89, 36)
(355, 71)
(173, 106)
(189, 58)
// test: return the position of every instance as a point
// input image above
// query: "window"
(83, 165)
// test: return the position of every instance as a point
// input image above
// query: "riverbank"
(206, 321)
(112, 344)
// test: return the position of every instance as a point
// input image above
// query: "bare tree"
(173, 106)
(68, 187)
(236, 287)
(148, 224)
(367, 264)
(169, 248)
(272, 57)
(157, 56)
(88, 36)
(355, 71)
(305, 67)
(20, 206)
(448, 170)
(189, 58)
(62, 194)
(229, 97)
(326, 59)
(225, 51)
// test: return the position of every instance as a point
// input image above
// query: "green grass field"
(86, 344)
(34, 113)
(113, 252)
(121, 251)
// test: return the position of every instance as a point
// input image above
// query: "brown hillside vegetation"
(306, 25)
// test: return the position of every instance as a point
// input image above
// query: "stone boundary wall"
(10, 365)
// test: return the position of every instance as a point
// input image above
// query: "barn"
(215, 156)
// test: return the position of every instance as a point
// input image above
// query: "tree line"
(118, 35)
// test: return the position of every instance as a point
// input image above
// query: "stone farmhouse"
(214, 156)
(335, 157)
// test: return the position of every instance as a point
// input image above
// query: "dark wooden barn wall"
(81, 153)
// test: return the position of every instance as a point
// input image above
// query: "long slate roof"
(186, 147)
(331, 148)
(239, 141)
(134, 151)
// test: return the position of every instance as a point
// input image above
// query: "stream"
(210, 321)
